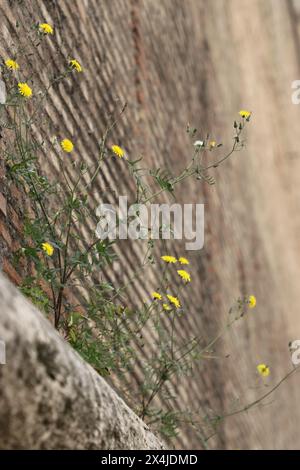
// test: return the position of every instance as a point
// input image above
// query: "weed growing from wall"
(106, 328)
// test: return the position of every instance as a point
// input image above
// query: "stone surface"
(49, 397)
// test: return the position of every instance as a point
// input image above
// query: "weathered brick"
(8, 269)
(4, 233)
(2, 173)
(46, 288)
(14, 218)
(3, 204)
(16, 194)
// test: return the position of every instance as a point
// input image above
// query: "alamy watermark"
(295, 351)
(296, 94)
(2, 352)
(153, 221)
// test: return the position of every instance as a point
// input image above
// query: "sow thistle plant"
(105, 327)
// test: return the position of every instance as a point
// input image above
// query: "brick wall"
(11, 216)
(176, 62)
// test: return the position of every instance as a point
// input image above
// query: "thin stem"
(103, 142)
(263, 397)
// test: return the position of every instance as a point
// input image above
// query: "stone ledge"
(49, 397)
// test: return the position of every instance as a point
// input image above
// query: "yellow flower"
(166, 307)
(67, 145)
(169, 259)
(251, 301)
(244, 113)
(25, 90)
(156, 295)
(74, 64)
(184, 275)
(263, 370)
(11, 64)
(212, 144)
(174, 301)
(45, 28)
(183, 260)
(118, 151)
(48, 248)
